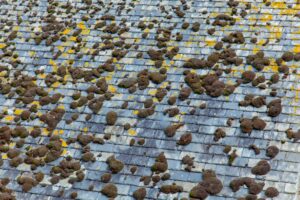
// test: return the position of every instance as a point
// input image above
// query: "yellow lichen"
(56, 84)
(86, 32)
(45, 132)
(210, 43)
(63, 143)
(31, 53)
(135, 112)
(2, 45)
(152, 92)
(81, 25)
(66, 31)
(42, 76)
(72, 38)
(61, 48)
(278, 4)
(131, 132)
(18, 112)
(111, 89)
(8, 118)
(4, 156)
(296, 49)
(266, 18)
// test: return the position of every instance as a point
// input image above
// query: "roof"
(140, 90)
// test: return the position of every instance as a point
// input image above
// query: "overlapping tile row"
(274, 25)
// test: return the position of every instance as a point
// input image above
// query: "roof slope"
(183, 98)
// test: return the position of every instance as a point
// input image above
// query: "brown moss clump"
(210, 185)
(54, 180)
(146, 180)
(172, 100)
(155, 179)
(185, 25)
(223, 20)
(227, 149)
(20, 131)
(219, 133)
(110, 190)
(88, 157)
(185, 139)
(194, 81)
(170, 131)
(25, 115)
(45, 100)
(258, 102)
(232, 157)
(155, 55)
(171, 189)
(157, 77)
(293, 134)
(39, 176)
(287, 56)
(105, 178)
(65, 169)
(274, 108)
(259, 81)
(213, 86)
(111, 118)
(255, 149)
(160, 93)
(27, 182)
(114, 165)
(53, 117)
(274, 78)
(218, 46)
(258, 61)
(184, 93)
(271, 192)
(148, 103)
(172, 112)
(15, 162)
(272, 151)
(139, 194)
(212, 59)
(198, 192)
(261, 168)
(189, 162)
(248, 76)
(73, 195)
(195, 63)
(133, 169)
(161, 164)
(143, 79)
(5, 135)
(127, 83)
(258, 124)
(297, 57)
(195, 26)
(143, 113)
(246, 125)
(85, 139)
(283, 69)
(247, 100)
(6, 193)
(12, 153)
(254, 187)
(235, 37)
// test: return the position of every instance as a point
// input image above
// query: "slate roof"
(282, 34)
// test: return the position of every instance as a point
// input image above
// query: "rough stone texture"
(283, 35)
